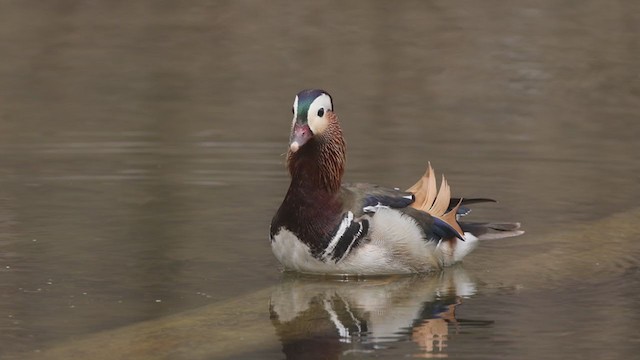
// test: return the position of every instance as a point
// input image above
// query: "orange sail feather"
(433, 201)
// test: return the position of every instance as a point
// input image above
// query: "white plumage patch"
(292, 253)
(404, 240)
(295, 110)
(375, 208)
(318, 124)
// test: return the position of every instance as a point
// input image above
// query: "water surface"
(141, 161)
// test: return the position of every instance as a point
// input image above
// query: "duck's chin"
(294, 147)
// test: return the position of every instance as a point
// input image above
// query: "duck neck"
(318, 166)
(312, 201)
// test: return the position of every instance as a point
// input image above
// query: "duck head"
(311, 113)
(316, 147)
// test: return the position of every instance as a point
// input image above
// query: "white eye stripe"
(295, 110)
(318, 124)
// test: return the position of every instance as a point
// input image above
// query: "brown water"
(141, 161)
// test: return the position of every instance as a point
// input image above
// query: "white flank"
(463, 248)
(453, 254)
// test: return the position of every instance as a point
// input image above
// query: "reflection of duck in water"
(324, 319)
(431, 330)
(324, 226)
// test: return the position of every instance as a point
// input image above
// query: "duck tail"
(492, 231)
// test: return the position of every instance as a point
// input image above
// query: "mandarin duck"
(326, 227)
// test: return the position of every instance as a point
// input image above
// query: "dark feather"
(434, 229)
(350, 239)
(444, 230)
(394, 202)
(468, 201)
(358, 196)
(463, 210)
(487, 231)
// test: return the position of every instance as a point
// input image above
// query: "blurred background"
(141, 153)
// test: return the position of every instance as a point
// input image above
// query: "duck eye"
(321, 112)
(293, 110)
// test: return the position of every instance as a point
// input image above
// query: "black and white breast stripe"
(347, 237)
